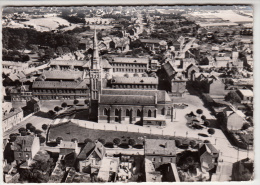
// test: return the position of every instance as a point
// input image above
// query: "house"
(21, 93)
(208, 156)
(12, 118)
(67, 147)
(160, 151)
(234, 119)
(246, 96)
(154, 44)
(243, 170)
(90, 157)
(108, 169)
(190, 72)
(33, 105)
(25, 148)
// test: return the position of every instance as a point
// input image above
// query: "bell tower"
(95, 80)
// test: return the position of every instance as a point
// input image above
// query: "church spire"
(95, 57)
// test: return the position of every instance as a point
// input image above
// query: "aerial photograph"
(127, 93)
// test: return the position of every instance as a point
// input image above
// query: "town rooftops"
(60, 85)
(135, 80)
(63, 75)
(67, 62)
(151, 41)
(159, 147)
(130, 60)
(246, 92)
(162, 96)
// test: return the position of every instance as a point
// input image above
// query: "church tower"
(95, 80)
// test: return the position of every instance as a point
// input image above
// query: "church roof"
(135, 80)
(162, 96)
(127, 99)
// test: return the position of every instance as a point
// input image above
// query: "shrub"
(38, 132)
(203, 117)
(206, 123)
(116, 141)
(206, 141)
(32, 128)
(57, 109)
(74, 140)
(193, 143)
(177, 143)
(21, 129)
(23, 133)
(76, 102)
(211, 131)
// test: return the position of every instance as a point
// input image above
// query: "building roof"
(135, 80)
(159, 147)
(67, 62)
(130, 60)
(61, 85)
(23, 142)
(87, 149)
(152, 41)
(246, 92)
(68, 144)
(208, 147)
(127, 99)
(162, 96)
(63, 75)
(12, 113)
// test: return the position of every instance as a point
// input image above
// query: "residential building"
(154, 44)
(91, 157)
(67, 147)
(160, 151)
(234, 119)
(11, 118)
(25, 148)
(109, 169)
(33, 105)
(208, 156)
(21, 93)
(13, 67)
(246, 96)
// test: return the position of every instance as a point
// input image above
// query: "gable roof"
(22, 143)
(207, 147)
(87, 149)
(63, 75)
(127, 99)
(61, 85)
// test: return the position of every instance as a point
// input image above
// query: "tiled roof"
(126, 99)
(130, 60)
(159, 147)
(134, 80)
(63, 75)
(155, 41)
(67, 62)
(162, 96)
(87, 149)
(61, 85)
(207, 147)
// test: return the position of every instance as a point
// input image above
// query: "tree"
(76, 102)
(42, 139)
(203, 117)
(177, 143)
(136, 75)
(199, 111)
(44, 127)
(87, 140)
(21, 129)
(12, 137)
(58, 140)
(57, 108)
(103, 141)
(232, 97)
(206, 123)
(51, 112)
(74, 140)
(28, 125)
(116, 141)
(126, 75)
(245, 126)
(86, 101)
(131, 142)
(32, 128)
(206, 141)
(193, 143)
(38, 132)
(64, 104)
(23, 133)
(211, 131)
(144, 75)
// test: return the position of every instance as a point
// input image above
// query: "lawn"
(71, 130)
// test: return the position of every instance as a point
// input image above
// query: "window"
(149, 113)
(127, 112)
(160, 159)
(138, 113)
(116, 112)
(153, 159)
(105, 112)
